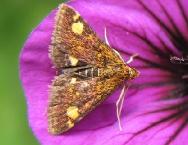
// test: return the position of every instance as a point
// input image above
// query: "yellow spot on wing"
(73, 81)
(72, 112)
(70, 124)
(73, 60)
(76, 17)
(78, 27)
(77, 94)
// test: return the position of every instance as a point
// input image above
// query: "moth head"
(132, 73)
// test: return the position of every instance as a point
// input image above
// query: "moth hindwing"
(88, 70)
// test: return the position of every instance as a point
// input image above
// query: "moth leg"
(132, 58)
(119, 104)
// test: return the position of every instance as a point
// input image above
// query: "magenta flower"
(155, 108)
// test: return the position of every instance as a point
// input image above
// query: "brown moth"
(88, 70)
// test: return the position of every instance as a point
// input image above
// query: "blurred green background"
(17, 19)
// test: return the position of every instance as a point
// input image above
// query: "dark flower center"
(178, 68)
(181, 64)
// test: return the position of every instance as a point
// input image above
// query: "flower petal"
(130, 29)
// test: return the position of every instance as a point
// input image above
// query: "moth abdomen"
(88, 73)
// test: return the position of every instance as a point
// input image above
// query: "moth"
(88, 70)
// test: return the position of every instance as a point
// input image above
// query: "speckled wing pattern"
(88, 70)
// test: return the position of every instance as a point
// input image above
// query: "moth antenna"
(132, 58)
(105, 37)
(107, 42)
(119, 105)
